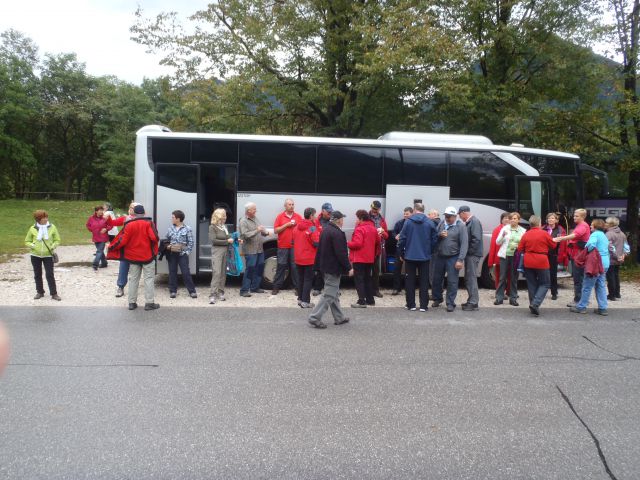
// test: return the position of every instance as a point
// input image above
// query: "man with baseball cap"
(472, 262)
(450, 254)
(322, 221)
(332, 260)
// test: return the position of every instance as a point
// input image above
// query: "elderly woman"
(617, 239)
(220, 239)
(558, 253)
(97, 225)
(597, 240)
(42, 239)
(577, 240)
(508, 240)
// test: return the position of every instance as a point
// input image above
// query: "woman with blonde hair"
(220, 239)
(42, 239)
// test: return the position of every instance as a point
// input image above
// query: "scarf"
(43, 231)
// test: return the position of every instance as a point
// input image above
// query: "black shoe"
(612, 299)
(450, 308)
(534, 310)
(371, 304)
(601, 311)
(245, 294)
(275, 291)
(342, 322)
(55, 297)
(317, 324)
(514, 303)
(358, 305)
(378, 294)
(436, 304)
(151, 306)
(133, 306)
(193, 295)
(172, 295)
(554, 297)
(470, 307)
(465, 303)
(395, 292)
(38, 296)
(497, 302)
(258, 290)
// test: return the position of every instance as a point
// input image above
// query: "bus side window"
(349, 170)
(480, 175)
(424, 167)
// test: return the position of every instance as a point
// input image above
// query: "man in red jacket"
(535, 245)
(284, 226)
(137, 243)
(306, 237)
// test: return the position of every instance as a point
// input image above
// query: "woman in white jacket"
(508, 240)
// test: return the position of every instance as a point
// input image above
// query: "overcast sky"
(96, 30)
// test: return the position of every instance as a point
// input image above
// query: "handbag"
(235, 265)
(54, 255)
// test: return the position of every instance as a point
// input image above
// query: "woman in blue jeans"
(598, 240)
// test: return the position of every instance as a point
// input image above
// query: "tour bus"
(197, 173)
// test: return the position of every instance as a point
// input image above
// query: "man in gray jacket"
(251, 232)
(450, 254)
(472, 262)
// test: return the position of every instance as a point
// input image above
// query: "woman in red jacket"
(97, 225)
(557, 254)
(363, 249)
(535, 245)
(306, 237)
(493, 260)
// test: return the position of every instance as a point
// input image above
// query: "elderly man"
(251, 232)
(398, 277)
(381, 226)
(322, 221)
(332, 260)
(283, 226)
(472, 262)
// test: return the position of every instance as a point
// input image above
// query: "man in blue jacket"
(417, 240)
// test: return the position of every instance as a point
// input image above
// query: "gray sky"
(96, 30)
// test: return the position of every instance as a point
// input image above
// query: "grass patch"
(68, 216)
(630, 273)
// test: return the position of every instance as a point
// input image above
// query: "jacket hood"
(418, 218)
(615, 230)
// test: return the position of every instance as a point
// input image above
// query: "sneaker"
(315, 293)
(341, 322)
(275, 291)
(119, 292)
(578, 310)
(151, 306)
(514, 303)
(212, 300)
(222, 298)
(317, 324)
(306, 305)
(378, 294)
(245, 294)
(534, 310)
(436, 304)
(258, 290)
(554, 297)
(395, 292)
(571, 305)
(601, 311)
(95, 269)
(411, 309)
(450, 308)
(497, 302)
(423, 309)
(38, 296)
(172, 295)
(193, 295)
(55, 297)
(133, 306)
(358, 305)
(470, 307)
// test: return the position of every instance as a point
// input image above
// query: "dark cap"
(138, 210)
(337, 215)
(376, 205)
(464, 208)
(327, 206)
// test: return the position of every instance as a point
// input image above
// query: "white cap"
(450, 211)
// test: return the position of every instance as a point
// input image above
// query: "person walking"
(418, 239)
(398, 276)
(493, 261)
(363, 249)
(251, 231)
(179, 239)
(97, 225)
(306, 238)
(42, 240)
(473, 260)
(617, 239)
(381, 226)
(576, 242)
(322, 220)
(450, 253)
(332, 260)
(137, 243)
(123, 267)
(595, 275)
(220, 239)
(535, 245)
(558, 253)
(508, 239)
(284, 226)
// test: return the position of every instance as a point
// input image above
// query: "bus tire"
(486, 278)
(270, 265)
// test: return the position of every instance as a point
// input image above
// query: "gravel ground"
(79, 285)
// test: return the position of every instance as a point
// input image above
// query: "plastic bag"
(235, 265)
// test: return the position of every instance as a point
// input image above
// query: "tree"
(330, 67)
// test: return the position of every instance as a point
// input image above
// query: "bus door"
(176, 188)
(533, 196)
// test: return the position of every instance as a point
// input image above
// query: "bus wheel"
(486, 278)
(270, 266)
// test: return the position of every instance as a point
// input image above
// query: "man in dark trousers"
(322, 221)
(332, 260)
(398, 277)
(473, 260)
(381, 225)
(417, 240)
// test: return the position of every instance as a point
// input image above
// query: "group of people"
(313, 249)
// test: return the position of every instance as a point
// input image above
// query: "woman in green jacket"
(43, 238)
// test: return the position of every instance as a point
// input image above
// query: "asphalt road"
(95, 393)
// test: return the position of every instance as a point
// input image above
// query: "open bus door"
(176, 188)
(533, 196)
